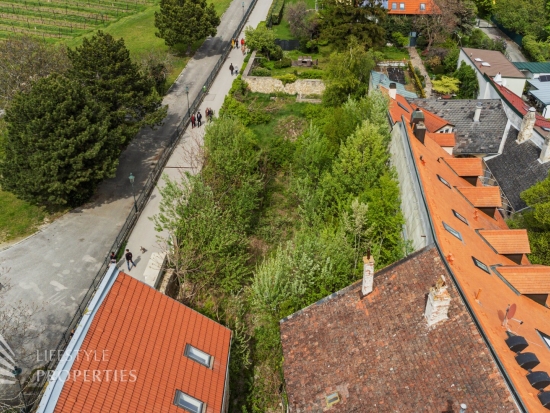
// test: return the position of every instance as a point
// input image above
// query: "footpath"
(144, 236)
(54, 269)
(417, 62)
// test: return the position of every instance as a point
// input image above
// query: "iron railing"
(34, 392)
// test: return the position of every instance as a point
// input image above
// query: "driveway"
(513, 50)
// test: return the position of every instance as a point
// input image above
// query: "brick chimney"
(477, 112)
(527, 125)
(419, 130)
(368, 274)
(392, 90)
(437, 306)
(545, 152)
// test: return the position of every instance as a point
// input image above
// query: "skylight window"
(456, 214)
(198, 356)
(453, 231)
(188, 403)
(481, 265)
(485, 64)
(477, 59)
(403, 107)
(394, 6)
(332, 399)
(545, 338)
(401, 6)
(443, 181)
(422, 6)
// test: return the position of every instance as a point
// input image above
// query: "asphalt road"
(513, 50)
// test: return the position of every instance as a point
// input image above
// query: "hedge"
(417, 80)
(275, 14)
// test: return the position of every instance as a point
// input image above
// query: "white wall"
(480, 79)
(515, 85)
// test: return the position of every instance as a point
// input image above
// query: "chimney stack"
(368, 274)
(439, 300)
(477, 113)
(498, 79)
(392, 90)
(417, 116)
(527, 125)
(545, 152)
(419, 130)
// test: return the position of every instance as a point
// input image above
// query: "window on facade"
(545, 338)
(394, 6)
(481, 265)
(197, 355)
(401, 6)
(453, 231)
(188, 403)
(456, 214)
(422, 6)
(443, 181)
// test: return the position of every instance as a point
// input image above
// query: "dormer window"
(197, 355)
(401, 6)
(422, 6)
(188, 403)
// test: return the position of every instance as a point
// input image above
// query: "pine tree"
(185, 21)
(58, 146)
(103, 66)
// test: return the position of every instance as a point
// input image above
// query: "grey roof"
(378, 78)
(517, 168)
(533, 67)
(474, 138)
(542, 91)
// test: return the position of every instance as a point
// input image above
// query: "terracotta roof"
(466, 166)
(141, 330)
(527, 279)
(512, 241)
(432, 121)
(482, 196)
(498, 62)
(379, 354)
(413, 7)
(444, 139)
(398, 107)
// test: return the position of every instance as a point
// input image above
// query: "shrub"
(287, 78)
(399, 39)
(260, 71)
(416, 79)
(311, 74)
(276, 11)
(537, 51)
(284, 62)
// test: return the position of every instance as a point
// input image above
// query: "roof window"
(198, 356)
(401, 6)
(443, 181)
(453, 231)
(545, 338)
(402, 106)
(332, 399)
(394, 6)
(422, 6)
(456, 214)
(481, 265)
(188, 403)
(477, 59)
(485, 64)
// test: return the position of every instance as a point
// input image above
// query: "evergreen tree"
(469, 86)
(103, 66)
(58, 146)
(185, 21)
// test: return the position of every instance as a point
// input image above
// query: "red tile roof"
(512, 241)
(139, 329)
(413, 7)
(398, 107)
(432, 121)
(482, 196)
(527, 279)
(444, 139)
(466, 166)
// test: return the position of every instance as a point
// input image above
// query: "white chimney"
(498, 79)
(392, 91)
(527, 125)
(439, 300)
(545, 152)
(368, 274)
(477, 113)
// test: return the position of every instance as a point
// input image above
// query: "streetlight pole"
(131, 178)
(17, 373)
(188, 108)
(243, 8)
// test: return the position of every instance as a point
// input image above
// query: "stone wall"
(272, 85)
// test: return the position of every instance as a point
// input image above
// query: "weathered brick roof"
(380, 355)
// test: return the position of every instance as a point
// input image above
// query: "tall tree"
(469, 86)
(362, 19)
(304, 24)
(58, 146)
(103, 66)
(185, 21)
(522, 16)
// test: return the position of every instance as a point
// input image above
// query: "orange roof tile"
(482, 196)
(398, 107)
(444, 139)
(432, 121)
(527, 279)
(511, 241)
(466, 166)
(138, 330)
(413, 7)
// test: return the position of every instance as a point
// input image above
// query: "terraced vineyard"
(63, 19)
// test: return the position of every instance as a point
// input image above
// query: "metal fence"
(33, 393)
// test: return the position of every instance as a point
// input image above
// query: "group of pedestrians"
(235, 44)
(196, 120)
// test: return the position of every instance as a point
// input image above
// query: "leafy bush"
(284, 62)
(469, 86)
(399, 39)
(276, 11)
(310, 74)
(416, 78)
(447, 85)
(260, 71)
(537, 51)
(287, 78)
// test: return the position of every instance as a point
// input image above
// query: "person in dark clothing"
(129, 259)
(231, 68)
(193, 121)
(112, 258)
(199, 119)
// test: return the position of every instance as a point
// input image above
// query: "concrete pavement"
(144, 234)
(55, 267)
(513, 50)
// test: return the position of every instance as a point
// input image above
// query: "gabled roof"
(380, 79)
(511, 241)
(466, 166)
(482, 196)
(533, 67)
(398, 107)
(527, 279)
(413, 7)
(145, 332)
(447, 140)
(497, 61)
(542, 91)
(477, 138)
(432, 121)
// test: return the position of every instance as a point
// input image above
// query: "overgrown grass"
(282, 30)
(18, 218)
(395, 53)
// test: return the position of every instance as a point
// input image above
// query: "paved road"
(55, 267)
(513, 50)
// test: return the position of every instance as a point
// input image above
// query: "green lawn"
(395, 53)
(282, 31)
(18, 218)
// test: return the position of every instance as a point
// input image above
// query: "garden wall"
(272, 85)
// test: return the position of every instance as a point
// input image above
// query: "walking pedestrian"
(129, 259)
(242, 42)
(199, 119)
(232, 43)
(231, 68)
(193, 121)
(243, 49)
(112, 258)
(236, 43)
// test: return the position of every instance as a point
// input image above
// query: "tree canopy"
(263, 40)
(185, 21)
(522, 16)
(469, 86)
(446, 85)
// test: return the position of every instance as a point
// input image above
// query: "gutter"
(418, 184)
(225, 398)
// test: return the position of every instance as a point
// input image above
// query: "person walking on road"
(129, 259)
(199, 119)
(112, 258)
(243, 49)
(232, 43)
(193, 121)
(231, 68)
(242, 42)
(236, 43)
